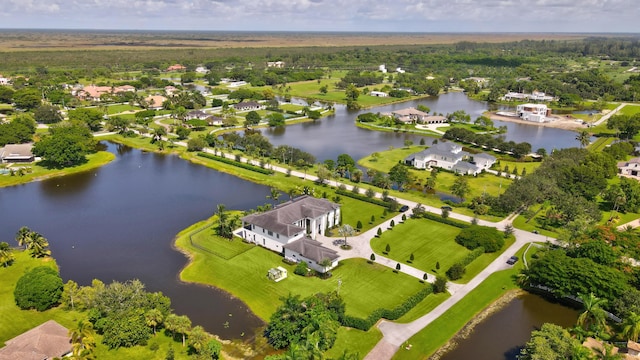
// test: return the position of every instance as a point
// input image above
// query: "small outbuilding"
(277, 274)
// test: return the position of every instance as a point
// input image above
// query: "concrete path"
(609, 114)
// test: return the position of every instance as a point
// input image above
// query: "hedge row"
(457, 270)
(236, 163)
(394, 314)
(448, 221)
(361, 197)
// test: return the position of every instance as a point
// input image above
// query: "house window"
(263, 231)
(278, 236)
(270, 233)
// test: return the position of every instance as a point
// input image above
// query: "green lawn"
(38, 172)
(530, 166)
(115, 109)
(15, 321)
(424, 307)
(428, 240)
(355, 341)
(226, 249)
(244, 276)
(630, 110)
(436, 334)
(601, 143)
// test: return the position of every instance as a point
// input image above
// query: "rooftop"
(47, 341)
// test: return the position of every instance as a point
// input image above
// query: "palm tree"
(198, 339)
(153, 318)
(593, 314)
(83, 340)
(6, 256)
(631, 327)
(22, 236)
(38, 245)
(584, 138)
(274, 194)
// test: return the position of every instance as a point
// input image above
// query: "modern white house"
(535, 96)
(450, 156)
(630, 168)
(382, 68)
(378, 94)
(533, 112)
(291, 229)
(275, 64)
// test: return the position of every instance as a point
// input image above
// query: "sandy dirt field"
(558, 121)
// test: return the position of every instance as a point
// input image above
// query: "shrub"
(236, 163)
(196, 144)
(40, 289)
(301, 269)
(387, 248)
(440, 285)
(371, 200)
(392, 223)
(456, 271)
(379, 232)
(370, 193)
(359, 225)
(372, 257)
(481, 236)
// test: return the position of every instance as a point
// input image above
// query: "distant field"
(21, 40)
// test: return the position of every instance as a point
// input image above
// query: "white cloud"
(337, 15)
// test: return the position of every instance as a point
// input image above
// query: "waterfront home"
(378, 94)
(275, 64)
(196, 114)
(4, 80)
(409, 116)
(17, 153)
(291, 229)
(535, 96)
(247, 106)
(93, 93)
(44, 342)
(630, 168)
(215, 120)
(533, 112)
(202, 70)
(450, 156)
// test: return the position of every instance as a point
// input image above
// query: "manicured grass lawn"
(39, 172)
(436, 334)
(115, 109)
(424, 307)
(216, 245)
(530, 166)
(6, 106)
(14, 320)
(163, 341)
(601, 143)
(355, 341)
(630, 110)
(428, 240)
(244, 276)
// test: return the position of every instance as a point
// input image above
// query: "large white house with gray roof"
(292, 227)
(450, 156)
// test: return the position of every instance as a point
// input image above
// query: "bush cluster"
(440, 219)
(393, 314)
(476, 236)
(236, 163)
(457, 270)
(40, 289)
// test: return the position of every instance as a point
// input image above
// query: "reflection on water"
(118, 223)
(503, 334)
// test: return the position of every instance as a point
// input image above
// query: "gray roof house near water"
(450, 156)
(299, 220)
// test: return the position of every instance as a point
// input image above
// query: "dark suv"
(512, 260)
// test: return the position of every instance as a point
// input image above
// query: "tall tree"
(460, 187)
(584, 138)
(153, 318)
(631, 326)
(38, 245)
(83, 341)
(22, 236)
(592, 314)
(346, 230)
(6, 255)
(198, 339)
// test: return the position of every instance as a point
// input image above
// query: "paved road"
(609, 114)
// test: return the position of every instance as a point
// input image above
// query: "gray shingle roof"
(464, 167)
(47, 341)
(312, 250)
(281, 219)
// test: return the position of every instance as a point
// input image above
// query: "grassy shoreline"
(40, 173)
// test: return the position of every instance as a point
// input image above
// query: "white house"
(535, 96)
(247, 106)
(275, 64)
(410, 115)
(4, 80)
(449, 156)
(382, 68)
(378, 94)
(196, 115)
(630, 168)
(302, 218)
(399, 70)
(533, 112)
(202, 70)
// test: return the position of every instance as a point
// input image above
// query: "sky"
(592, 16)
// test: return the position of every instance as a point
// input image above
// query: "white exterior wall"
(260, 236)
(312, 264)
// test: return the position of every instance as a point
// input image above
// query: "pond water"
(502, 335)
(337, 134)
(118, 222)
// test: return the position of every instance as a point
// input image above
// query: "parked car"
(535, 232)
(512, 260)
(446, 207)
(404, 208)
